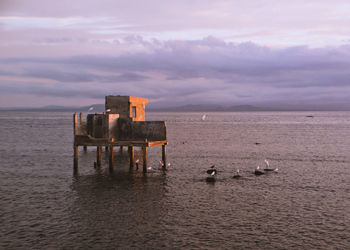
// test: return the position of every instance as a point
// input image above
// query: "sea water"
(44, 205)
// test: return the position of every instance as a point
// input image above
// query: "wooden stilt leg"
(121, 149)
(111, 157)
(80, 118)
(98, 156)
(145, 149)
(76, 153)
(131, 154)
(164, 155)
(85, 148)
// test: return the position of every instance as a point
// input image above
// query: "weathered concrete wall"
(97, 125)
(118, 105)
(112, 124)
(140, 130)
(122, 105)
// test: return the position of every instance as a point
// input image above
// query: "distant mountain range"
(184, 108)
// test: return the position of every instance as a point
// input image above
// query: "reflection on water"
(45, 206)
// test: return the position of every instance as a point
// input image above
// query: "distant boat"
(310, 116)
(91, 109)
(268, 167)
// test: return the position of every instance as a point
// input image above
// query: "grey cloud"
(69, 76)
(205, 67)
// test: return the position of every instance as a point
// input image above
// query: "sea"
(44, 204)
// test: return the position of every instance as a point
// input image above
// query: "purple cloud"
(197, 71)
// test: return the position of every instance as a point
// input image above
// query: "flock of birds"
(212, 172)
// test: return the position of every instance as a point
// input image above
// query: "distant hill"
(209, 108)
(53, 108)
(185, 108)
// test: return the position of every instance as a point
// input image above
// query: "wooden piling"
(111, 157)
(75, 121)
(76, 153)
(164, 155)
(85, 148)
(145, 149)
(121, 148)
(131, 154)
(80, 118)
(98, 156)
(75, 148)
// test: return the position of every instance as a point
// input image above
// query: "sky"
(272, 53)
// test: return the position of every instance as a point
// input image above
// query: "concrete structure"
(123, 124)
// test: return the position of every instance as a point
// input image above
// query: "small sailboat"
(267, 167)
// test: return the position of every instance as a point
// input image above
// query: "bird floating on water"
(258, 171)
(211, 173)
(237, 175)
(204, 117)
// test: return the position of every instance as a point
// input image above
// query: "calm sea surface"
(43, 205)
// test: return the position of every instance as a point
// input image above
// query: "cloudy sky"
(258, 52)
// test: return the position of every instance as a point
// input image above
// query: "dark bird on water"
(211, 173)
(237, 175)
(258, 171)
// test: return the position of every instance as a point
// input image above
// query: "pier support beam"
(164, 155)
(75, 148)
(98, 155)
(111, 157)
(80, 118)
(76, 153)
(85, 148)
(131, 155)
(145, 149)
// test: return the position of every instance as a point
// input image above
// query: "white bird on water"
(108, 110)
(204, 117)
